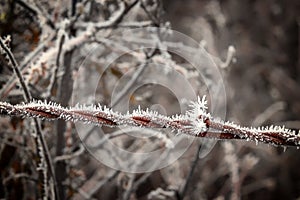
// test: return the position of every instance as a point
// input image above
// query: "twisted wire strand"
(195, 122)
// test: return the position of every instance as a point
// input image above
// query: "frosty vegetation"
(43, 45)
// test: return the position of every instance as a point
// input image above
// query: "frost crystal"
(197, 116)
(198, 126)
(199, 107)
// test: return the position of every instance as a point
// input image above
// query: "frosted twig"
(48, 57)
(35, 71)
(196, 122)
(113, 20)
(24, 65)
(13, 63)
(153, 18)
(43, 151)
(61, 40)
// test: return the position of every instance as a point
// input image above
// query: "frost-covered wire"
(195, 122)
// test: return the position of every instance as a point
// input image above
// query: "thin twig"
(13, 63)
(153, 18)
(115, 19)
(70, 156)
(57, 65)
(129, 185)
(64, 95)
(183, 191)
(23, 66)
(40, 140)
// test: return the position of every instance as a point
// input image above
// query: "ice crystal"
(199, 107)
(198, 126)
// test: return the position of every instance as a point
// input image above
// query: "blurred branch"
(61, 41)
(20, 175)
(183, 191)
(114, 19)
(101, 183)
(134, 78)
(268, 113)
(37, 9)
(70, 156)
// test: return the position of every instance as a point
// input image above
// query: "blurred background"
(262, 87)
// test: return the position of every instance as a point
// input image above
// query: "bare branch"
(40, 141)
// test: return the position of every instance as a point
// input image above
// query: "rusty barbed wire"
(196, 122)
